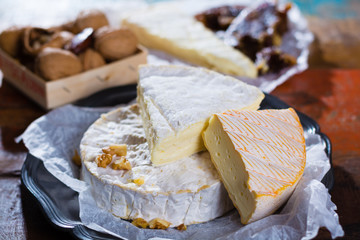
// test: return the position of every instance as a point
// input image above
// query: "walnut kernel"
(158, 223)
(181, 227)
(141, 223)
(103, 160)
(118, 150)
(121, 164)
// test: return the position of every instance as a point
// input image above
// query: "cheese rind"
(184, 37)
(260, 156)
(184, 192)
(176, 103)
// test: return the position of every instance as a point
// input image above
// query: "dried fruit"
(115, 44)
(54, 63)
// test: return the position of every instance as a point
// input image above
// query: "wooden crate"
(51, 94)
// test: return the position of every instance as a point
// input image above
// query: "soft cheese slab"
(166, 28)
(176, 103)
(187, 191)
(260, 156)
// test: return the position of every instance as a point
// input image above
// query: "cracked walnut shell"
(55, 63)
(36, 39)
(115, 44)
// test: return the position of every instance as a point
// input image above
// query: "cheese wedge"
(260, 156)
(168, 29)
(176, 103)
(187, 191)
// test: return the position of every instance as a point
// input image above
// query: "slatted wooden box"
(51, 94)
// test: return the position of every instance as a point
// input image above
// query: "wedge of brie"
(168, 29)
(187, 191)
(176, 103)
(260, 156)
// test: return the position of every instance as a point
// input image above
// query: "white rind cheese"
(260, 156)
(168, 29)
(176, 103)
(184, 192)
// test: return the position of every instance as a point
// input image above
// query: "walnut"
(158, 223)
(90, 19)
(54, 63)
(115, 44)
(91, 59)
(139, 222)
(121, 164)
(36, 39)
(76, 158)
(181, 227)
(118, 150)
(103, 160)
(10, 40)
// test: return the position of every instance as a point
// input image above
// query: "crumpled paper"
(54, 137)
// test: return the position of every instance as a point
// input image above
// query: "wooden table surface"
(328, 92)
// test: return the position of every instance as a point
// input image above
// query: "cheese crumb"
(158, 223)
(141, 223)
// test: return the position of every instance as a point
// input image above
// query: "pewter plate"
(60, 203)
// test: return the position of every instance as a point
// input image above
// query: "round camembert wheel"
(186, 191)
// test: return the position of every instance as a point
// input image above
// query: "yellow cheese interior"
(185, 52)
(260, 156)
(180, 145)
(231, 168)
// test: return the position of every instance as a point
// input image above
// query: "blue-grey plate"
(60, 203)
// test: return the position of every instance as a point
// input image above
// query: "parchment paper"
(54, 138)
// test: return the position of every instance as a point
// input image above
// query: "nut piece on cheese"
(176, 103)
(184, 37)
(260, 156)
(188, 191)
